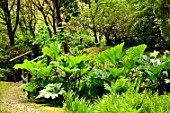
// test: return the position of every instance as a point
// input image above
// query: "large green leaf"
(158, 68)
(83, 71)
(44, 71)
(26, 65)
(112, 55)
(32, 67)
(135, 52)
(116, 72)
(166, 64)
(28, 87)
(52, 50)
(132, 55)
(73, 61)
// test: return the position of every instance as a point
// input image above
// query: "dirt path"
(13, 100)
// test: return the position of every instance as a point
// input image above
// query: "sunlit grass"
(3, 86)
(43, 108)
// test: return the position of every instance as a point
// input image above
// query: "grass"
(3, 87)
(93, 51)
(48, 109)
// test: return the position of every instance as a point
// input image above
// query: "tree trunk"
(46, 23)
(59, 24)
(59, 21)
(108, 41)
(95, 35)
(117, 39)
(7, 19)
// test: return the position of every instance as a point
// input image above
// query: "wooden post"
(12, 64)
(29, 77)
(23, 76)
(13, 71)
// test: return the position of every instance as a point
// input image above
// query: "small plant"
(40, 75)
(157, 71)
(119, 64)
(76, 105)
(120, 86)
(52, 50)
(5, 74)
(51, 91)
(73, 69)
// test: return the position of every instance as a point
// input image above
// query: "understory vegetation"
(96, 56)
(125, 81)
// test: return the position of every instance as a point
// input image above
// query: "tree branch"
(17, 17)
(2, 18)
(3, 23)
(12, 6)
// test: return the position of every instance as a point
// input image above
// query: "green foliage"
(161, 11)
(68, 70)
(76, 105)
(111, 55)
(36, 69)
(8, 52)
(68, 97)
(63, 37)
(1, 76)
(88, 41)
(4, 74)
(120, 86)
(52, 50)
(42, 36)
(129, 101)
(40, 75)
(144, 27)
(65, 73)
(156, 70)
(73, 70)
(121, 64)
(29, 87)
(51, 91)
(79, 106)
(131, 56)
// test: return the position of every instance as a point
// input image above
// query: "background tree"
(162, 13)
(8, 12)
(28, 18)
(105, 18)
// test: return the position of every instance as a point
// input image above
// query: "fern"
(120, 86)
(80, 106)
